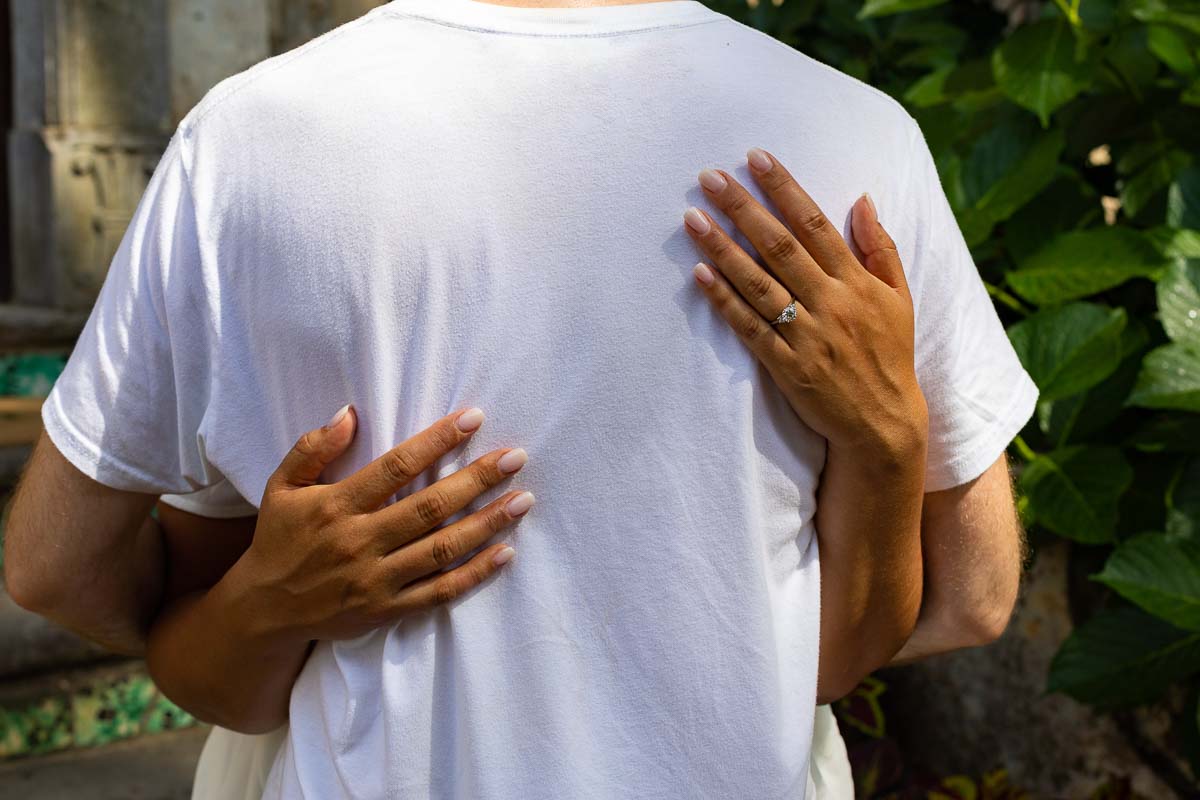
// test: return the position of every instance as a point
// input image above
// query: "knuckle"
(814, 221)
(444, 549)
(781, 248)
(747, 327)
(446, 589)
(306, 445)
(432, 506)
(759, 285)
(737, 202)
(401, 466)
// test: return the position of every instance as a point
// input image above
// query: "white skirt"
(234, 766)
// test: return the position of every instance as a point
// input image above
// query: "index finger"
(370, 487)
(819, 236)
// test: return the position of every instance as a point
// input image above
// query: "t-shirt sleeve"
(978, 394)
(129, 406)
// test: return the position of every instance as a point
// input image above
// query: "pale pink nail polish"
(703, 274)
(696, 221)
(759, 160)
(503, 557)
(713, 181)
(519, 504)
(338, 417)
(512, 461)
(469, 420)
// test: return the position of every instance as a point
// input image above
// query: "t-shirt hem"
(981, 452)
(86, 456)
(184, 502)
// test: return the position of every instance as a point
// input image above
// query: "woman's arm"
(845, 363)
(320, 562)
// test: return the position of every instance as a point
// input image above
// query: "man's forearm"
(93, 565)
(213, 655)
(868, 523)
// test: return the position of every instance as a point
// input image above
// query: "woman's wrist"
(253, 617)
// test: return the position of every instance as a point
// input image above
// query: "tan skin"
(249, 613)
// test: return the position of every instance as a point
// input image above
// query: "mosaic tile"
(108, 711)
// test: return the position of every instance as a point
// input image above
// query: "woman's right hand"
(330, 561)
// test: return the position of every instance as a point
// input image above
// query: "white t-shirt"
(447, 203)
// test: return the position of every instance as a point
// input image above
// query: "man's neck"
(566, 3)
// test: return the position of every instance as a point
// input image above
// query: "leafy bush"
(1067, 145)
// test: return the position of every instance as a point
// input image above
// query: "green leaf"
(1158, 574)
(1175, 242)
(1183, 504)
(1172, 48)
(1155, 175)
(1169, 433)
(1167, 12)
(1069, 349)
(1080, 263)
(1179, 302)
(1170, 379)
(1035, 171)
(1036, 67)
(1075, 491)
(1123, 657)
(1183, 200)
(1089, 412)
(881, 8)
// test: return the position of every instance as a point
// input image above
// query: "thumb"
(879, 251)
(315, 450)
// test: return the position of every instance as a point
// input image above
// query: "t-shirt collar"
(586, 21)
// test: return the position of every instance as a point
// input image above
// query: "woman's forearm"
(869, 533)
(212, 654)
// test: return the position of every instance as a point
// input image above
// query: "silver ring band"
(787, 315)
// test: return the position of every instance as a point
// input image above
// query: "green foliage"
(1068, 149)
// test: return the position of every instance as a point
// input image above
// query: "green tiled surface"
(30, 374)
(106, 711)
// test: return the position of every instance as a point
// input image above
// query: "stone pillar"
(294, 23)
(100, 86)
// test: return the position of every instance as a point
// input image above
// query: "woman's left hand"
(846, 362)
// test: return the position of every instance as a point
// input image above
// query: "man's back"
(445, 204)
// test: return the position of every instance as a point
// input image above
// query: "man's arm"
(87, 556)
(973, 548)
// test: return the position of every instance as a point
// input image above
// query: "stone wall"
(99, 87)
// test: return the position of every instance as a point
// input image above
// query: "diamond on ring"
(787, 315)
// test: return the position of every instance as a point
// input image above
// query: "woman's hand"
(845, 363)
(326, 562)
(330, 563)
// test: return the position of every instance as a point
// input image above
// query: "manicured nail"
(504, 556)
(871, 205)
(696, 221)
(519, 504)
(512, 461)
(469, 420)
(703, 273)
(338, 417)
(713, 181)
(759, 160)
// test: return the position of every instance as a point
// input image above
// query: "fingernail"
(759, 160)
(338, 417)
(512, 461)
(519, 504)
(712, 180)
(695, 220)
(469, 420)
(504, 556)
(703, 274)
(871, 205)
